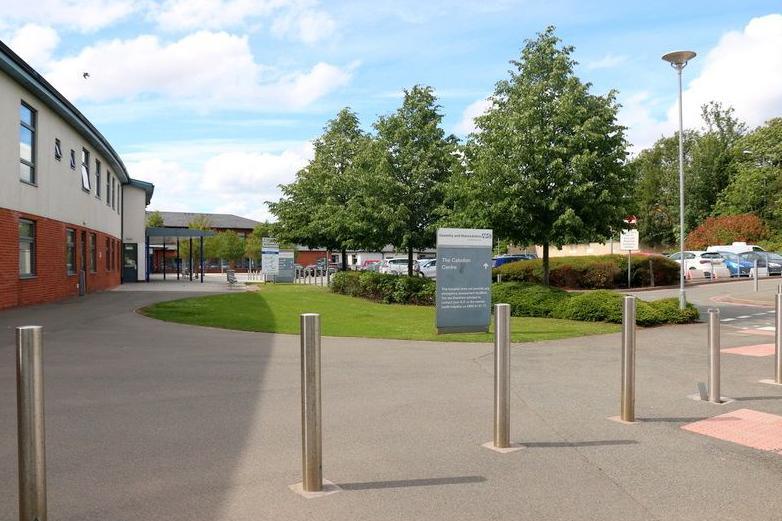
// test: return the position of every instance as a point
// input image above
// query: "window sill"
(28, 183)
(27, 277)
(85, 190)
(71, 274)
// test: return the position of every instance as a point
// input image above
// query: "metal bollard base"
(618, 419)
(514, 447)
(724, 400)
(329, 488)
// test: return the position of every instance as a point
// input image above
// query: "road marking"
(755, 350)
(727, 320)
(767, 328)
(743, 316)
(745, 427)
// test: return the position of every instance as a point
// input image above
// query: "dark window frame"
(73, 159)
(93, 253)
(31, 241)
(32, 128)
(57, 149)
(70, 251)
(85, 170)
(97, 177)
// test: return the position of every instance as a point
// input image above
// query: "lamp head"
(679, 59)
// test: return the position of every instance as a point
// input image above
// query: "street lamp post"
(678, 60)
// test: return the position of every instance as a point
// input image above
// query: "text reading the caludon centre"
(463, 298)
(453, 262)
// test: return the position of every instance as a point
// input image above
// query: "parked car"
(428, 268)
(368, 264)
(735, 264)
(699, 260)
(499, 260)
(396, 266)
(765, 260)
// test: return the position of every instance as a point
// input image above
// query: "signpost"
(270, 253)
(463, 280)
(286, 269)
(628, 240)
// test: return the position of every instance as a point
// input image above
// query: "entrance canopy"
(161, 237)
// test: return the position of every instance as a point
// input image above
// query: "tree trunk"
(545, 264)
(344, 259)
(409, 261)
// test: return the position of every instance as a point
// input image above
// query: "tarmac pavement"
(150, 420)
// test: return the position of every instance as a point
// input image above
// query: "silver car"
(428, 268)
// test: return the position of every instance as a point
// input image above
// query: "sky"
(217, 102)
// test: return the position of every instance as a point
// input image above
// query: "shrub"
(594, 306)
(527, 299)
(727, 229)
(385, 288)
(594, 272)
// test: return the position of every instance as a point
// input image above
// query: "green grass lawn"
(276, 309)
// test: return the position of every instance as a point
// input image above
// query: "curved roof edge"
(25, 75)
(148, 188)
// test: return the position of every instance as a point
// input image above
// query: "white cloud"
(473, 110)
(744, 70)
(203, 70)
(308, 25)
(294, 19)
(34, 43)
(608, 61)
(228, 178)
(82, 15)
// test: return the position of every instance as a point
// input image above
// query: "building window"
(97, 179)
(108, 188)
(26, 248)
(119, 198)
(70, 251)
(113, 193)
(85, 169)
(57, 150)
(111, 255)
(93, 253)
(108, 254)
(73, 159)
(26, 143)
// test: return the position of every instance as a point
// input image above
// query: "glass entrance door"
(129, 262)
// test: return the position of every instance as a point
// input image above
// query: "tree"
(230, 246)
(211, 246)
(154, 220)
(546, 165)
(727, 229)
(326, 205)
(414, 160)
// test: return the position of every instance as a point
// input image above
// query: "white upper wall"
(134, 207)
(58, 194)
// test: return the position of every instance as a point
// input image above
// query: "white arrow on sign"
(485, 266)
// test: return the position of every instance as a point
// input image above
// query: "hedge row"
(526, 299)
(594, 272)
(533, 300)
(390, 289)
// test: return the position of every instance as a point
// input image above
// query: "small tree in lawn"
(415, 160)
(546, 165)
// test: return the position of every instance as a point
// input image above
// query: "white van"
(736, 247)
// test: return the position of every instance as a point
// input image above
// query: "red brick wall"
(52, 281)
(310, 257)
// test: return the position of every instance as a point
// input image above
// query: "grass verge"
(276, 309)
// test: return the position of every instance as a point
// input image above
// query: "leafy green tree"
(154, 220)
(757, 185)
(211, 246)
(414, 159)
(326, 205)
(230, 246)
(546, 165)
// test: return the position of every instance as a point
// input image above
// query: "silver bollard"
(311, 448)
(756, 276)
(628, 360)
(30, 423)
(502, 376)
(714, 356)
(778, 337)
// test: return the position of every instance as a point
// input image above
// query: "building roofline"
(24, 74)
(148, 188)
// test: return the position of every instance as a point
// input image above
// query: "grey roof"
(218, 220)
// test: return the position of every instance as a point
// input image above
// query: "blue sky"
(216, 101)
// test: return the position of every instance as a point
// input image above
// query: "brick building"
(66, 199)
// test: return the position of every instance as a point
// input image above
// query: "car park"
(735, 264)
(736, 247)
(396, 266)
(697, 259)
(770, 261)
